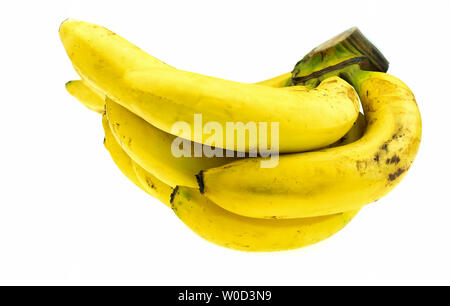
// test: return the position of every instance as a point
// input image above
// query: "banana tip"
(199, 178)
(62, 23)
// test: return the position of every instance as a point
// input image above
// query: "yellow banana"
(146, 181)
(227, 229)
(308, 119)
(151, 148)
(95, 100)
(330, 180)
(86, 96)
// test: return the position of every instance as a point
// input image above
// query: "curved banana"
(308, 119)
(95, 100)
(334, 179)
(86, 96)
(227, 229)
(151, 148)
(149, 184)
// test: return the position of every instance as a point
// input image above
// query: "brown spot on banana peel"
(361, 165)
(201, 184)
(393, 160)
(377, 157)
(396, 174)
(150, 183)
(398, 134)
(172, 195)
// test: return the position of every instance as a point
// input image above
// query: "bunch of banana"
(332, 161)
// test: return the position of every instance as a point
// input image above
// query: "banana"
(334, 179)
(308, 118)
(94, 100)
(322, 115)
(86, 96)
(127, 166)
(151, 148)
(227, 229)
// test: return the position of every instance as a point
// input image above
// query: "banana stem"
(355, 76)
(349, 55)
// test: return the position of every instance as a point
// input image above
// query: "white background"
(68, 216)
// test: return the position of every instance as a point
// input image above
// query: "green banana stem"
(355, 76)
(349, 55)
